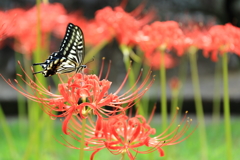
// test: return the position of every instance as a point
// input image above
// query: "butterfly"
(70, 56)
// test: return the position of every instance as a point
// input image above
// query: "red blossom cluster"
(165, 36)
(130, 29)
(87, 96)
(224, 38)
(122, 134)
(22, 25)
(81, 87)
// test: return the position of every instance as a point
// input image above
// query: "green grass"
(189, 149)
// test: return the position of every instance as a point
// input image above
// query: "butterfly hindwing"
(70, 55)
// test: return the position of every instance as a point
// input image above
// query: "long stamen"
(123, 83)
(101, 69)
(108, 71)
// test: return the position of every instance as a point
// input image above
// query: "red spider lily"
(224, 38)
(153, 60)
(2, 26)
(5, 25)
(25, 30)
(194, 36)
(164, 35)
(75, 18)
(121, 24)
(90, 88)
(27, 44)
(50, 15)
(8, 23)
(96, 32)
(121, 134)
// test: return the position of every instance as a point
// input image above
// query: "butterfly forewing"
(70, 55)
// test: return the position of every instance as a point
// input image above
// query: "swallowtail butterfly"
(70, 55)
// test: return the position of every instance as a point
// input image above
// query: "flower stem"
(182, 77)
(226, 107)
(22, 111)
(163, 91)
(145, 99)
(174, 101)
(91, 53)
(34, 110)
(8, 135)
(198, 101)
(123, 155)
(126, 59)
(82, 143)
(217, 96)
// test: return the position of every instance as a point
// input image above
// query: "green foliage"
(188, 149)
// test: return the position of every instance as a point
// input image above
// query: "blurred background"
(19, 42)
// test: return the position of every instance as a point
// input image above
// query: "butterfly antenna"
(37, 72)
(34, 64)
(90, 60)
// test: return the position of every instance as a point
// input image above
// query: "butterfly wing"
(72, 48)
(70, 55)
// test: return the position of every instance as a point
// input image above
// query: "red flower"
(62, 21)
(121, 134)
(96, 32)
(154, 60)
(90, 89)
(224, 38)
(27, 43)
(8, 23)
(121, 24)
(164, 35)
(194, 36)
(25, 30)
(3, 25)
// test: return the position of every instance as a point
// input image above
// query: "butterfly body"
(70, 56)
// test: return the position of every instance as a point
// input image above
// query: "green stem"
(145, 99)
(8, 135)
(182, 77)
(174, 101)
(198, 102)
(174, 105)
(135, 57)
(49, 128)
(123, 156)
(82, 143)
(226, 107)
(83, 130)
(136, 66)
(22, 111)
(33, 115)
(217, 95)
(34, 110)
(91, 53)
(163, 90)
(131, 79)
(163, 93)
